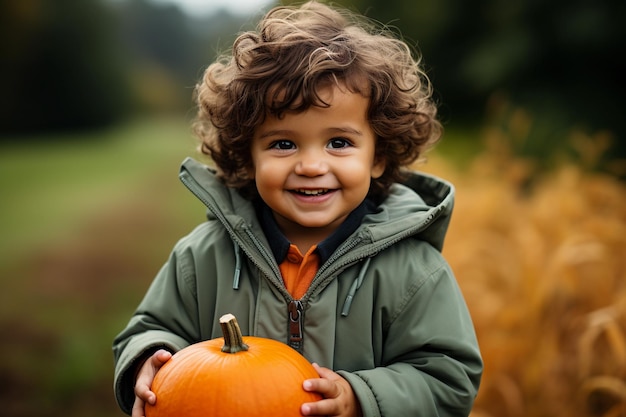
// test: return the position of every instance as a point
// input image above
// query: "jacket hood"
(420, 207)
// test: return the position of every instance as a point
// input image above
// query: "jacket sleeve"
(166, 318)
(431, 361)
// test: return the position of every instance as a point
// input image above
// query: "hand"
(145, 376)
(339, 399)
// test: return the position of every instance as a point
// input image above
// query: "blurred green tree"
(61, 68)
(562, 60)
(168, 50)
(84, 64)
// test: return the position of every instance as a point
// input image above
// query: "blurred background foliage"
(94, 119)
(88, 64)
(85, 64)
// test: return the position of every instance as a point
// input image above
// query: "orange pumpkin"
(231, 377)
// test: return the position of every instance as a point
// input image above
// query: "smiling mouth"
(308, 192)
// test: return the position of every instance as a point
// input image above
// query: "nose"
(311, 164)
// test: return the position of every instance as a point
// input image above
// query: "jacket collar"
(421, 208)
(280, 245)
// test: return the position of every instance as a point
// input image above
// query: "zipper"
(295, 316)
(295, 308)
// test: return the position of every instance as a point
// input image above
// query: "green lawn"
(85, 220)
(50, 186)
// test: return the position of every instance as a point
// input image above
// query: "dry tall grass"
(542, 262)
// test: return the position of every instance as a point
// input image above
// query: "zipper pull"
(295, 310)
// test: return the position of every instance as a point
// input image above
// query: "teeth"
(313, 192)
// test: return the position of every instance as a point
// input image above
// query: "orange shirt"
(298, 271)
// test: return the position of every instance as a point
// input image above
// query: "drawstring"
(237, 266)
(356, 284)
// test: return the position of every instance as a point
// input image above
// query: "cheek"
(268, 175)
(356, 174)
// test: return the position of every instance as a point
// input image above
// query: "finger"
(143, 393)
(325, 372)
(138, 408)
(326, 385)
(160, 357)
(320, 408)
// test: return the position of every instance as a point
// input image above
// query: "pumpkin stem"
(233, 340)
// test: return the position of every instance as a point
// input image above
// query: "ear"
(378, 168)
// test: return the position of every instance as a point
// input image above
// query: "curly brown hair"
(281, 67)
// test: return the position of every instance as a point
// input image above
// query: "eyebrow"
(332, 130)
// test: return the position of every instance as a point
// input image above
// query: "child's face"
(313, 168)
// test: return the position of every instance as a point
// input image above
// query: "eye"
(282, 145)
(338, 143)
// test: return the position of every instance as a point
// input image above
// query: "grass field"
(87, 221)
(52, 183)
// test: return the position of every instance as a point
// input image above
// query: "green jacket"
(384, 311)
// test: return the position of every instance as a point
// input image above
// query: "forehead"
(346, 112)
